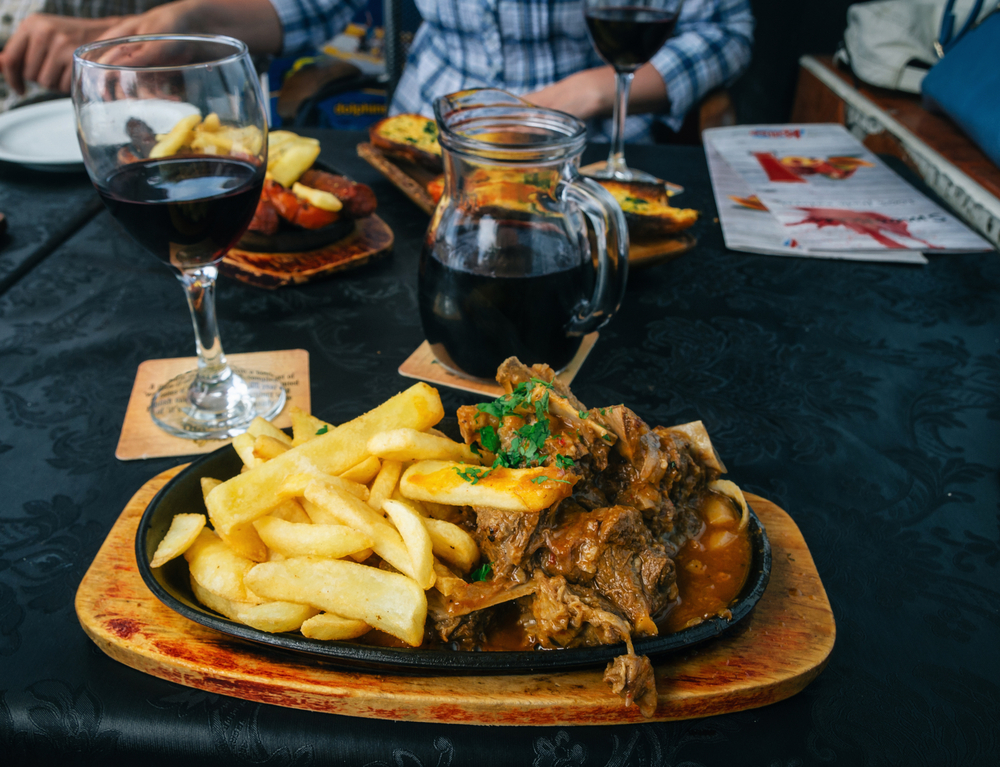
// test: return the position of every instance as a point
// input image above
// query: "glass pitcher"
(509, 265)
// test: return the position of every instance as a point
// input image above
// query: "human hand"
(591, 93)
(170, 18)
(41, 50)
(586, 94)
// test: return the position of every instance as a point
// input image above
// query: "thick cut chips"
(390, 602)
(251, 495)
(413, 445)
(295, 540)
(218, 568)
(418, 541)
(330, 627)
(184, 530)
(459, 484)
(272, 617)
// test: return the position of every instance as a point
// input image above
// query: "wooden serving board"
(412, 181)
(370, 239)
(774, 653)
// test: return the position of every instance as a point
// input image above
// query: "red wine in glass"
(138, 102)
(626, 37)
(187, 211)
(626, 34)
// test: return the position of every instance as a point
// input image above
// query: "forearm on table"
(255, 22)
(591, 93)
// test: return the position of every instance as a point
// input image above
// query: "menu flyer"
(815, 190)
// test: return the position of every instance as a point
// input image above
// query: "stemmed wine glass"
(174, 137)
(626, 34)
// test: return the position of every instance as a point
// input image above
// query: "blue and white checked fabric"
(523, 45)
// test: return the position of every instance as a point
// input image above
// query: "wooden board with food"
(404, 148)
(548, 536)
(309, 223)
(783, 646)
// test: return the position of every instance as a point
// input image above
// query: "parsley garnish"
(542, 478)
(636, 200)
(481, 573)
(322, 430)
(488, 436)
(472, 474)
(583, 413)
(565, 462)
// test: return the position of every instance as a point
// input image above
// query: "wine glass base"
(605, 172)
(225, 410)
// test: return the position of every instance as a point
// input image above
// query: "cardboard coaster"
(142, 438)
(423, 365)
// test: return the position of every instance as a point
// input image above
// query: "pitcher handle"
(611, 238)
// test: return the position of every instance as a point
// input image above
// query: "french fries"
(251, 495)
(184, 529)
(461, 484)
(337, 530)
(387, 601)
(208, 136)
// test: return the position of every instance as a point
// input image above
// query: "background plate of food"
(310, 222)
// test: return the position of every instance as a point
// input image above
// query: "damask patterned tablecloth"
(862, 398)
(41, 209)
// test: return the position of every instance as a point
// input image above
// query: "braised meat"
(599, 565)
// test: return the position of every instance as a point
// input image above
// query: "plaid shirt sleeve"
(711, 48)
(308, 24)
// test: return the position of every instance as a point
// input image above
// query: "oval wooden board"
(772, 655)
(370, 239)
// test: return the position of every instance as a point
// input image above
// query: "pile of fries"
(340, 529)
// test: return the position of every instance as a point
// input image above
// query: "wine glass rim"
(240, 50)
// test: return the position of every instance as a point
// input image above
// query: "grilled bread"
(408, 137)
(647, 209)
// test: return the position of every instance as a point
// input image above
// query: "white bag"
(892, 43)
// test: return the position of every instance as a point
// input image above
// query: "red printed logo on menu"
(793, 169)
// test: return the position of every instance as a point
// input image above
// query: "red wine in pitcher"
(627, 36)
(474, 322)
(187, 211)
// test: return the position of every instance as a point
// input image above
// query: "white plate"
(41, 136)
(105, 123)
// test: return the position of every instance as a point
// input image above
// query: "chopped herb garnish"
(481, 573)
(431, 128)
(322, 429)
(540, 479)
(525, 447)
(565, 462)
(488, 436)
(583, 414)
(472, 474)
(607, 437)
(636, 200)
(474, 447)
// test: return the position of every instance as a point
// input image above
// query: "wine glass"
(626, 34)
(174, 137)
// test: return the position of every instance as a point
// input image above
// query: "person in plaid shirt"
(535, 48)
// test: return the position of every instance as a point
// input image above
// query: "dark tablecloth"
(862, 398)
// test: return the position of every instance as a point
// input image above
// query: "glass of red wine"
(626, 34)
(174, 136)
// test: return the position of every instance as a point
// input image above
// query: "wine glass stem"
(199, 287)
(616, 158)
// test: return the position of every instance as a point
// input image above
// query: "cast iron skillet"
(171, 586)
